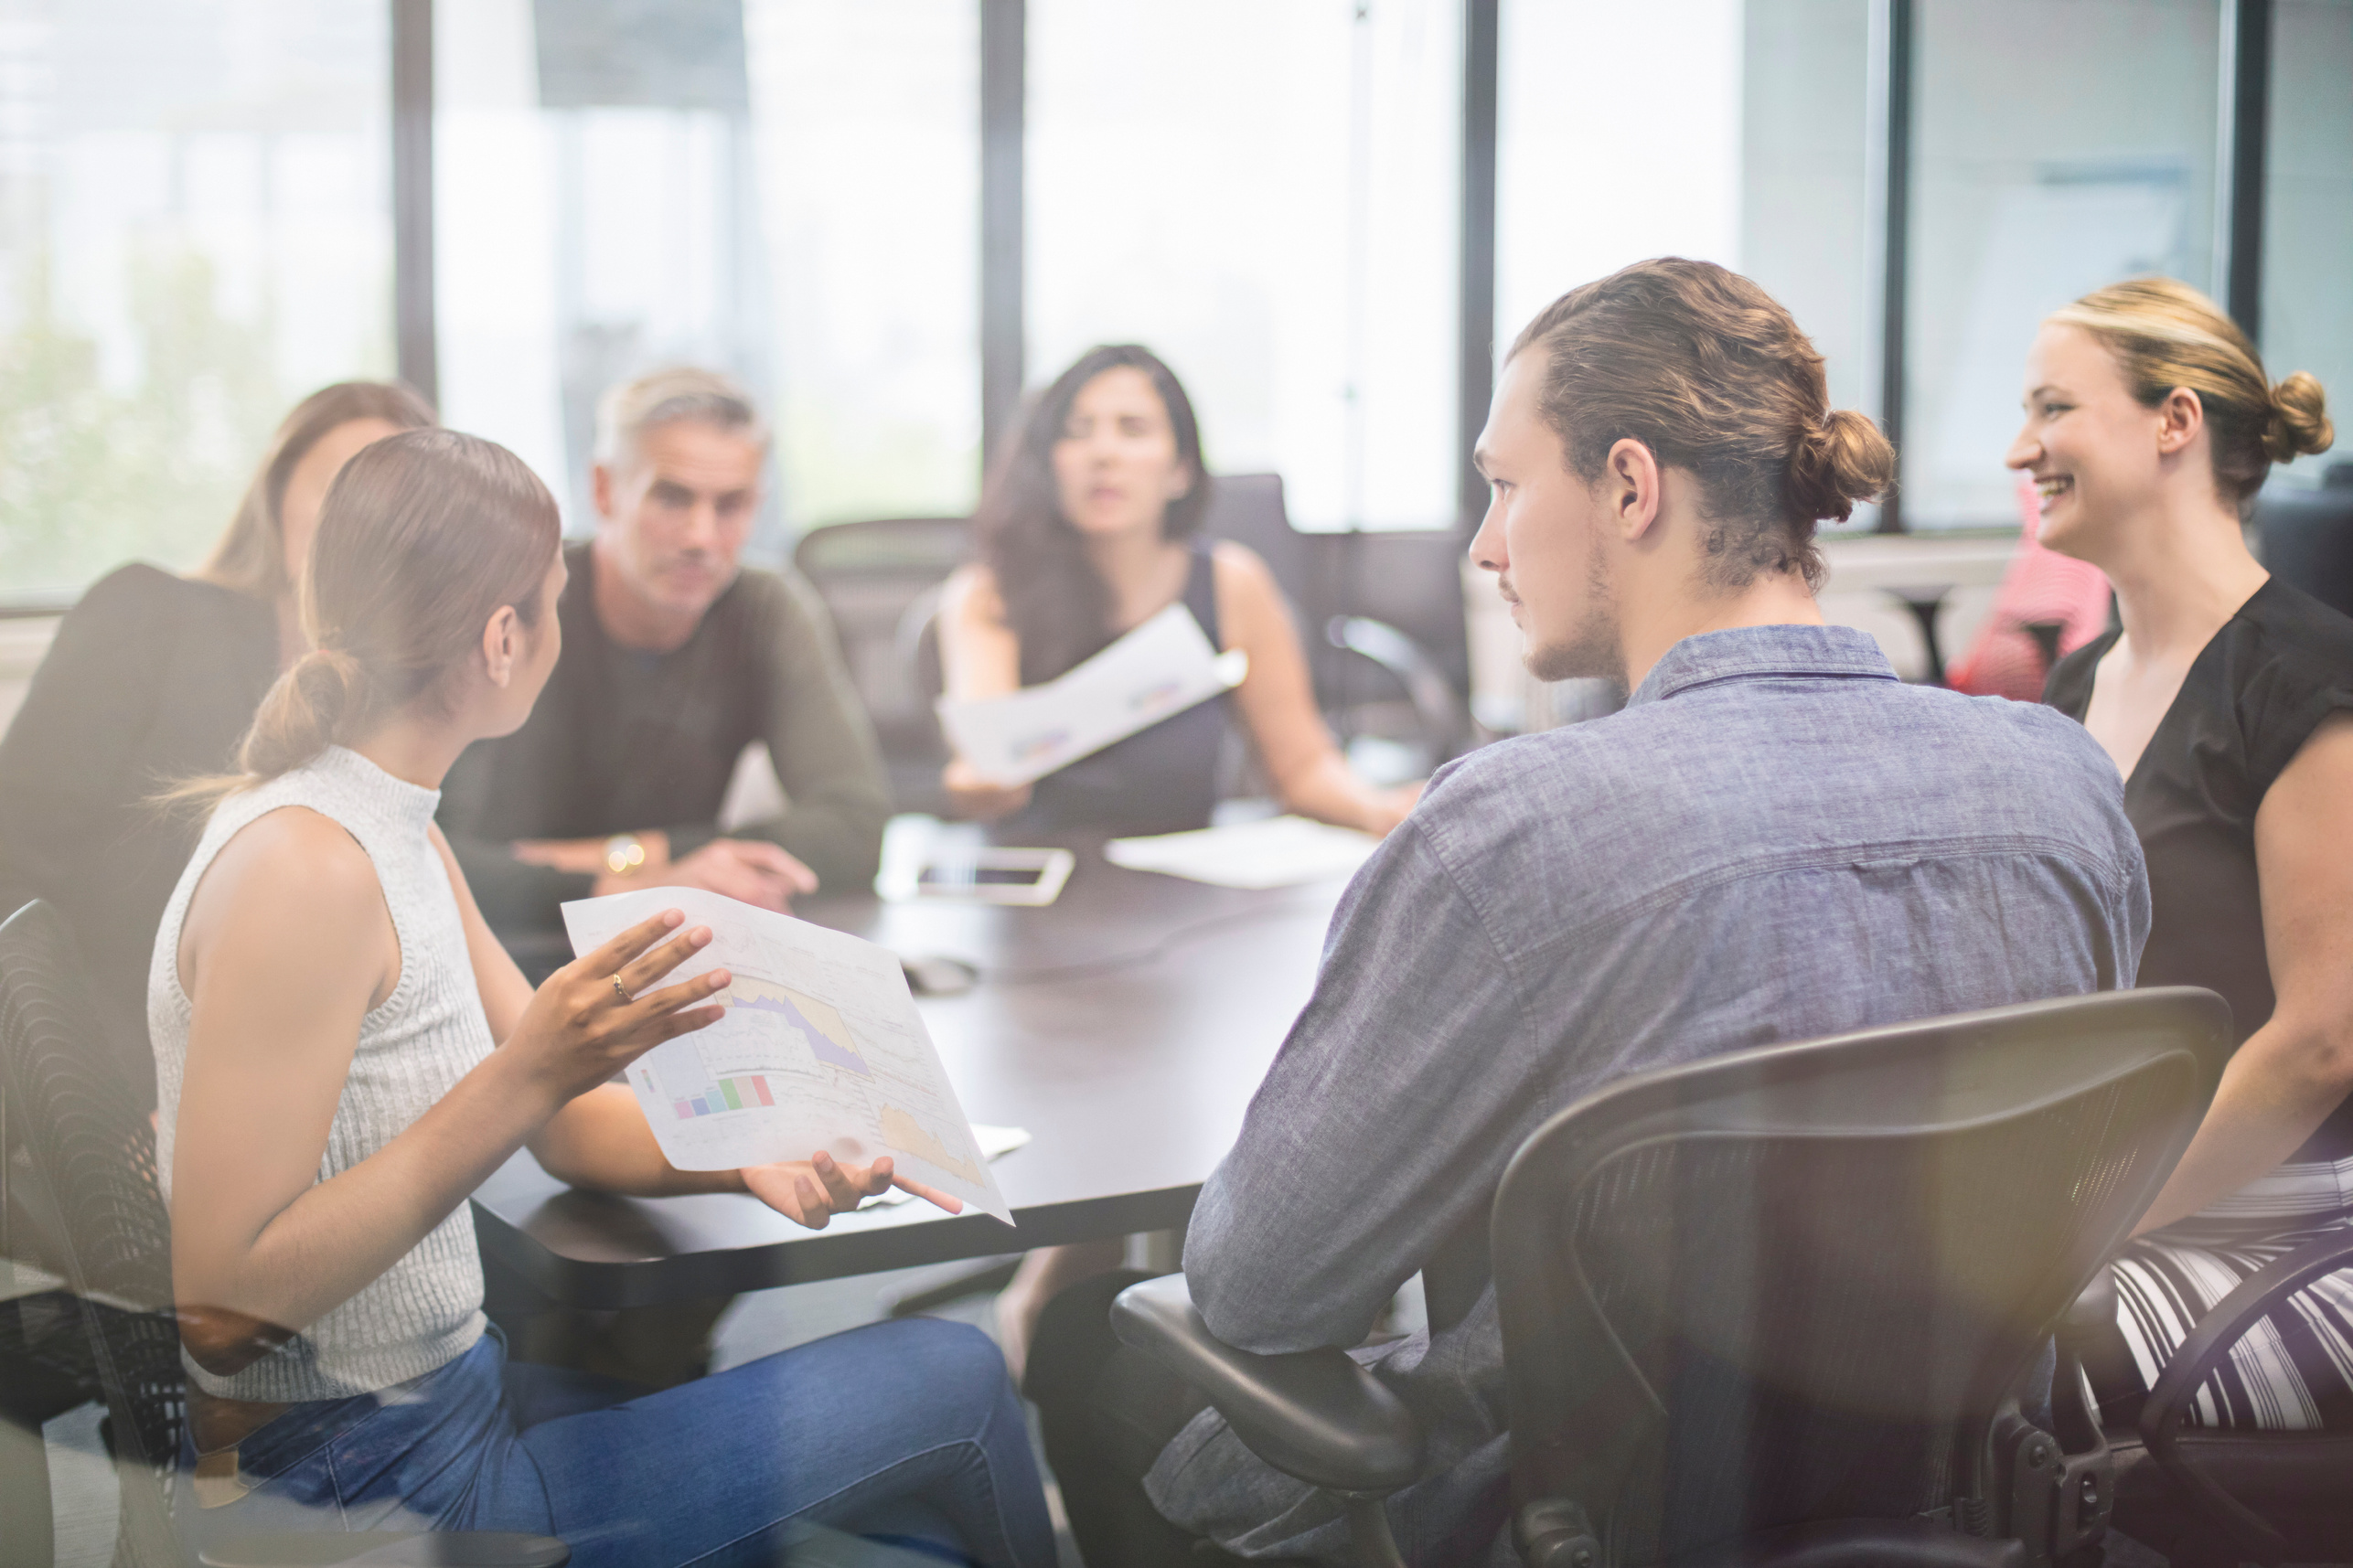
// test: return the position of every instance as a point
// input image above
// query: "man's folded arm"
(1383, 1126)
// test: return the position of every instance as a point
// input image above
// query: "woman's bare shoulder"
(296, 861)
(1246, 587)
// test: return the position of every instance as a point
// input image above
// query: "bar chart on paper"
(821, 1048)
(735, 1069)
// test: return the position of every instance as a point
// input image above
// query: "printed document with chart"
(821, 1048)
(1163, 667)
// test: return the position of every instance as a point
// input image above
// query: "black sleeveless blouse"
(1161, 780)
(2252, 697)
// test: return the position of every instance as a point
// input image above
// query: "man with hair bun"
(675, 660)
(1775, 839)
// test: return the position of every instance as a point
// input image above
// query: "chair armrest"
(389, 1549)
(2207, 1343)
(1445, 722)
(1315, 1414)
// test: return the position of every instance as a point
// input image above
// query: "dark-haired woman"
(152, 678)
(2225, 700)
(1090, 529)
(344, 1052)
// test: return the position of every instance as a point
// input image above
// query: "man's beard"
(1591, 651)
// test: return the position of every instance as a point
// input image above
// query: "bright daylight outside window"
(1267, 196)
(783, 190)
(195, 231)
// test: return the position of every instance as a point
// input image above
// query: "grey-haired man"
(675, 660)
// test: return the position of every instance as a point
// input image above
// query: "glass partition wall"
(2057, 148)
(2308, 319)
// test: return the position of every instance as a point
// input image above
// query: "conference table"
(1125, 1026)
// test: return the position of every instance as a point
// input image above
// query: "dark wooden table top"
(1126, 1026)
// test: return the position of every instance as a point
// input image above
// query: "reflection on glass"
(1267, 196)
(194, 231)
(2307, 318)
(2035, 180)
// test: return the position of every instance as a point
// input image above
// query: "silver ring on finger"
(621, 991)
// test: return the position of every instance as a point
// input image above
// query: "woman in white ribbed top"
(344, 1052)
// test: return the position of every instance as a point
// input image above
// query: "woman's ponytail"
(421, 539)
(324, 698)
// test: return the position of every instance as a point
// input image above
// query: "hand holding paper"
(1162, 668)
(821, 1048)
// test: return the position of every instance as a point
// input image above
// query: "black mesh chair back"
(879, 580)
(88, 1181)
(2308, 536)
(1796, 1284)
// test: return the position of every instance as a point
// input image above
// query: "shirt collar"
(1747, 653)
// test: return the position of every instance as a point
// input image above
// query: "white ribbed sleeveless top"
(426, 1309)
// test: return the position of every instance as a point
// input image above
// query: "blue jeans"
(905, 1431)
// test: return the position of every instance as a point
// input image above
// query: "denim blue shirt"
(1774, 840)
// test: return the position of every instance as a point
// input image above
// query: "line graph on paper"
(821, 1048)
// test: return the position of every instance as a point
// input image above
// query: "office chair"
(1771, 1308)
(1381, 614)
(2207, 1495)
(879, 580)
(2307, 535)
(88, 1180)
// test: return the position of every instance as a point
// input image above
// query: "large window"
(1602, 157)
(783, 190)
(2308, 310)
(2060, 147)
(194, 232)
(1267, 195)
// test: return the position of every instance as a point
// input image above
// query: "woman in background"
(153, 677)
(344, 1052)
(1090, 528)
(2226, 699)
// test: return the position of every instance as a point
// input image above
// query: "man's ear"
(2179, 419)
(600, 488)
(502, 645)
(1631, 488)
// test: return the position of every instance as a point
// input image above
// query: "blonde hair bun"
(2299, 422)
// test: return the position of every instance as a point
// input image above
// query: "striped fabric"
(2294, 1371)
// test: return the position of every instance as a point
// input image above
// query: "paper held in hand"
(821, 1048)
(1163, 667)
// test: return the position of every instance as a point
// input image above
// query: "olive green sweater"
(625, 741)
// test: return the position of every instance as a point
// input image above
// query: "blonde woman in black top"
(2226, 699)
(152, 678)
